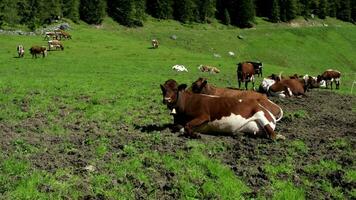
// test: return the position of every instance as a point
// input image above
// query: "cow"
(330, 76)
(55, 44)
(201, 86)
(20, 51)
(51, 36)
(245, 73)
(210, 69)
(63, 34)
(34, 50)
(275, 86)
(179, 68)
(257, 66)
(214, 114)
(155, 43)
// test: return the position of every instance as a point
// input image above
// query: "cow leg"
(194, 123)
(246, 84)
(263, 121)
(239, 83)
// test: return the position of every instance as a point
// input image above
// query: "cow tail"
(280, 109)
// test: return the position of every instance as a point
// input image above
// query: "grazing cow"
(55, 44)
(210, 69)
(201, 86)
(312, 82)
(245, 73)
(64, 34)
(214, 114)
(34, 50)
(330, 76)
(155, 43)
(20, 51)
(180, 68)
(258, 67)
(50, 36)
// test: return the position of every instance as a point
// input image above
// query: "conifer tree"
(161, 9)
(226, 20)
(183, 10)
(322, 11)
(344, 10)
(205, 9)
(275, 11)
(245, 13)
(291, 9)
(353, 11)
(92, 11)
(70, 9)
(127, 12)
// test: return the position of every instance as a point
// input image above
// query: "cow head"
(170, 90)
(199, 84)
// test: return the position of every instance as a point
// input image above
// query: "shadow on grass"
(154, 127)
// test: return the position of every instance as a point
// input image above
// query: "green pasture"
(108, 77)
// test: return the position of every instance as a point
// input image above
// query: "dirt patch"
(324, 124)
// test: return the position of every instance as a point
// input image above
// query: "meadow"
(88, 122)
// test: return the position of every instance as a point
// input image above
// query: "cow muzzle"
(168, 99)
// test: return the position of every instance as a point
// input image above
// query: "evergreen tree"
(275, 11)
(8, 12)
(92, 11)
(344, 10)
(161, 9)
(245, 14)
(70, 9)
(226, 20)
(205, 9)
(353, 11)
(183, 10)
(127, 12)
(291, 9)
(322, 11)
(332, 8)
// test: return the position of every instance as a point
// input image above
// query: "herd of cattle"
(204, 108)
(53, 41)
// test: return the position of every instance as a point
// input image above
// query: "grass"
(108, 77)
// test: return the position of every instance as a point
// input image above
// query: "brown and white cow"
(210, 69)
(201, 86)
(155, 43)
(275, 86)
(258, 66)
(330, 76)
(214, 114)
(55, 44)
(20, 50)
(34, 50)
(245, 73)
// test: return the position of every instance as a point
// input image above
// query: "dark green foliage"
(183, 10)
(275, 11)
(92, 11)
(353, 11)
(205, 9)
(291, 9)
(8, 12)
(344, 10)
(161, 9)
(70, 9)
(323, 7)
(332, 8)
(127, 12)
(245, 14)
(226, 19)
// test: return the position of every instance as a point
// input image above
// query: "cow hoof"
(280, 137)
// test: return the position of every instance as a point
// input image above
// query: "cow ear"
(162, 88)
(205, 81)
(182, 87)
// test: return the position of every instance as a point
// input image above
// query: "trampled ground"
(316, 160)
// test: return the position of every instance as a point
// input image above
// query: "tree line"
(241, 13)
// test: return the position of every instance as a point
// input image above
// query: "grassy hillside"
(84, 106)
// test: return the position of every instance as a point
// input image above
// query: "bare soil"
(319, 121)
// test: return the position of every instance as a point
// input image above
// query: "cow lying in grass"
(210, 69)
(201, 86)
(34, 50)
(275, 86)
(214, 114)
(155, 44)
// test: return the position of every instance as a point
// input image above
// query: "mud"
(319, 121)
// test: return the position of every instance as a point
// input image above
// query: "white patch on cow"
(173, 112)
(322, 84)
(209, 95)
(240, 100)
(235, 124)
(267, 83)
(290, 92)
